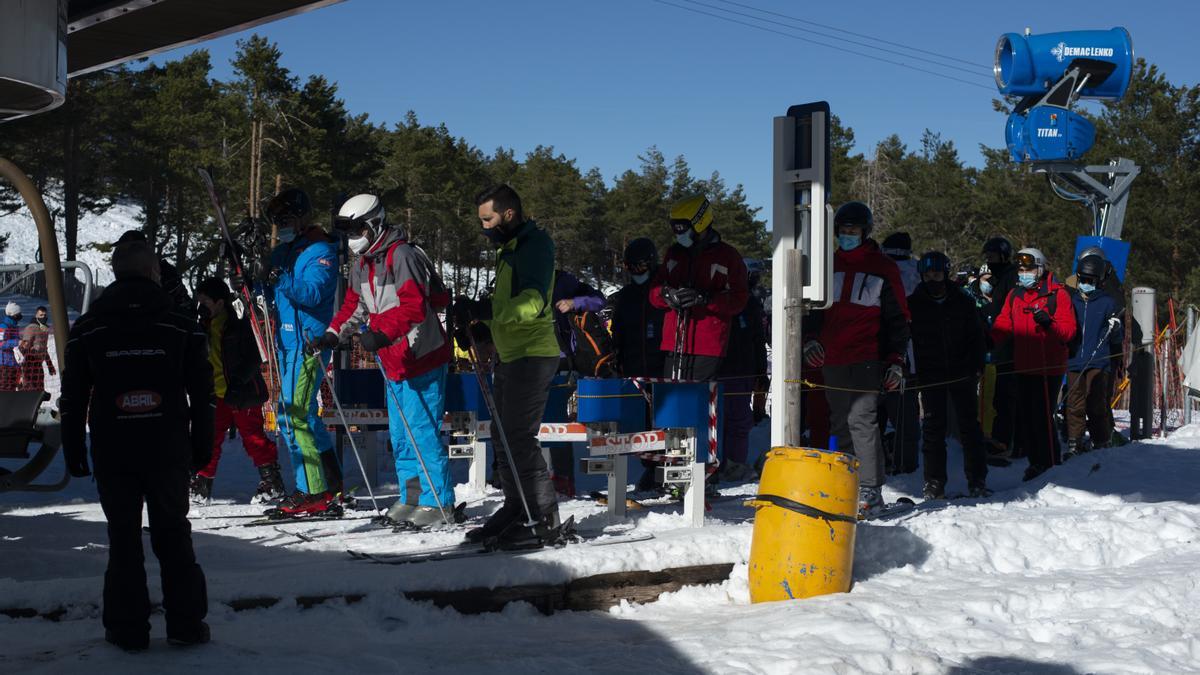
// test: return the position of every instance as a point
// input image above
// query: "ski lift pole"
(353, 446)
(473, 354)
(412, 440)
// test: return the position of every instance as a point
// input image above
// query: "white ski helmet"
(1030, 257)
(363, 221)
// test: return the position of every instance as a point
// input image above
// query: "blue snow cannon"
(1045, 133)
(1029, 65)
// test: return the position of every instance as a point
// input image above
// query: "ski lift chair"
(22, 422)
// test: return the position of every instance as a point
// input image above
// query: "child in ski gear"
(702, 284)
(395, 292)
(1099, 336)
(859, 345)
(520, 318)
(137, 373)
(900, 408)
(949, 349)
(301, 279)
(240, 390)
(637, 329)
(34, 340)
(586, 350)
(10, 339)
(1039, 322)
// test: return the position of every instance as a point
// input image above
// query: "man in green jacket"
(521, 322)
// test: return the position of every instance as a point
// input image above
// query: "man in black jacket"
(637, 328)
(137, 373)
(948, 347)
(241, 392)
(743, 372)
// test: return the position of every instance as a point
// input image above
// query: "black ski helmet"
(1092, 266)
(999, 245)
(934, 260)
(641, 250)
(854, 213)
(292, 203)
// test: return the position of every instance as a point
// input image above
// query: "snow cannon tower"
(807, 506)
(1051, 72)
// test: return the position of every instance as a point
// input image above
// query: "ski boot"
(736, 472)
(270, 485)
(934, 489)
(200, 489)
(427, 516)
(130, 641)
(499, 521)
(1033, 471)
(197, 636)
(302, 505)
(546, 532)
(870, 502)
(397, 515)
(979, 491)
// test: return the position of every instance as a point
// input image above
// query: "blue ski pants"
(420, 400)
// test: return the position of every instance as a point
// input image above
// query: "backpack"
(593, 346)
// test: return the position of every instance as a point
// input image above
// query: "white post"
(477, 471)
(617, 482)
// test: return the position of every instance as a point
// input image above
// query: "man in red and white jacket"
(860, 345)
(395, 290)
(703, 284)
(1039, 318)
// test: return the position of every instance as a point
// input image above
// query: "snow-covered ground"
(1094, 567)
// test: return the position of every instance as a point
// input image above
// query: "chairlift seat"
(18, 422)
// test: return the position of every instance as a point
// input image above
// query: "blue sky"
(603, 81)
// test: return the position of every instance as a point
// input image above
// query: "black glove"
(670, 296)
(1041, 318)
(478, 330)
(77, 464)
(327, 340)
(237, 283)
(373, 341)
(689, 297)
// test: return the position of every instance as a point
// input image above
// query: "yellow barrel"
(806, 512)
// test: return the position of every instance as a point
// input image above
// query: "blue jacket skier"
(1098, 340)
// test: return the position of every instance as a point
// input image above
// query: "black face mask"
(936, 288)
(16, 318)
(40, 319)
(498, 235)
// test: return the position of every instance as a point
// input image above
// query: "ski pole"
(353, 446)
(412, 440)
(488, 401)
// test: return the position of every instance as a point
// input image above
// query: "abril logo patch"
(140, 401)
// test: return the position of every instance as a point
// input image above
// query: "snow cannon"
(1051, 72)
(806, 511)
(467, 423)
(1029, 65)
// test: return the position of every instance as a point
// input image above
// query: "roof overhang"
(104, 33)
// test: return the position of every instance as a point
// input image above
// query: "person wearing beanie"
(136, 374)
(10, 338)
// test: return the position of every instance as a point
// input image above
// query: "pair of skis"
(473, 550)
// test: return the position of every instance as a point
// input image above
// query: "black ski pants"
(124, 489)
(1005, 404)
(692, 367)
(1036, 400)
(522, 388)
(904, 413)
(937, 403)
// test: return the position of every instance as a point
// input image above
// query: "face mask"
(936, 288)
(287, 236)
(16, 318)
(640, 278)
(358, 244)
(40, 319)
(985, 287)
(1088, 288)
(497, 235)
(849, 242)
(1027, 279)
(685, 238)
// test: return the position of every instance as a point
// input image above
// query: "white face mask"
(684, 239)
(640, 278)
(358, 244)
